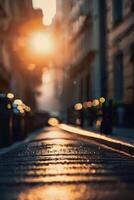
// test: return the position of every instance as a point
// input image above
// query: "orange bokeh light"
(53, 121)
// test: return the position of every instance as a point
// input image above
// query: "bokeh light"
(89, 104)
(85, 105)
(10, 95)
(53, 121)
(78, 106)
(96, 102)
(18, 102)
(102, 99)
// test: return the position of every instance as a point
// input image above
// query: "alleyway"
(57, 165)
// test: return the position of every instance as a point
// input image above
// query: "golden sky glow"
(48, 7)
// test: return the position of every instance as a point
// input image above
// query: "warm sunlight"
(41, 43)
(48, 7)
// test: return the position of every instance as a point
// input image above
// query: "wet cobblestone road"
(56, 165)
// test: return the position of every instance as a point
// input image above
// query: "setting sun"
(41, 43)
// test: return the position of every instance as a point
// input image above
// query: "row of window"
(118, 6)
(119, 74)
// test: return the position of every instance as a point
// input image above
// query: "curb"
(115, 144)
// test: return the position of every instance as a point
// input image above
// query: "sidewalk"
(120, 144)
(125, 134)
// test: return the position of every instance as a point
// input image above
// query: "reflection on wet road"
(57, 165)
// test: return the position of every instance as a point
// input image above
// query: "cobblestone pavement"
(56, 165)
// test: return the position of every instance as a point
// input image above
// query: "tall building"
(19, 73)
(17, 19)
(83, 49)
(97, 40)
(4, 57)
(120, 56)
(98, 67)
(120, 50)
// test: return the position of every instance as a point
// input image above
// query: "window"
(117, 11)
(132, 62)
(132, 5)
(132, 53)
(118, 76)
(88, 87)
(2, 12)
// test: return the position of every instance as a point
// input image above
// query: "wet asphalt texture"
(57, 165)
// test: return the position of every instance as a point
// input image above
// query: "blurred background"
(70, 59)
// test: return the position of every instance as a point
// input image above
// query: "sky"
(48, 7)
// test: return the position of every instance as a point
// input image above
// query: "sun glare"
(41, 43)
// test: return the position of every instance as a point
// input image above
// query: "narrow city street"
(66, 100)
(54, 165)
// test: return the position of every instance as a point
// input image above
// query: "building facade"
(20, 75)
(4, 56)
(97, 48)
(77, 49)
(16, 74)
(98, 67)
(83, 30)
(120, 50)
